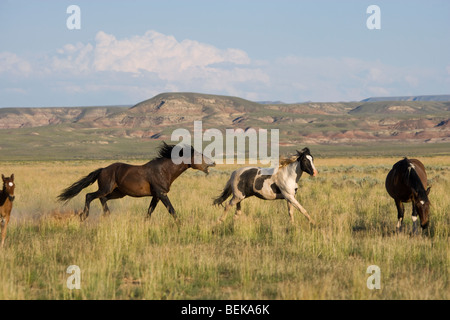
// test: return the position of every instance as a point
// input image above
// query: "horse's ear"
(3, 177)
(428, 190)
(12, 177)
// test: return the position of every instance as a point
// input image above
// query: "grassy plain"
(259, 256)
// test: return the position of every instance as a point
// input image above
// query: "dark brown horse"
(6, 202)
(151, 179)
(407, 182)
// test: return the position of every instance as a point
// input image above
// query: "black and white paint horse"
(281, 184)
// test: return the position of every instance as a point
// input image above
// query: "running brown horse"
(407, 182)
(151, 179)
(6, 202)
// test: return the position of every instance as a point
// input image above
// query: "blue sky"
(293, 51)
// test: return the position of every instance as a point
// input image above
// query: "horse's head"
(187, 155)
(9, 185)
(422, 205)
(307, 162)
(201, 162)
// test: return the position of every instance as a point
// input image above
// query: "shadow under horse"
(151, 179)
(407, 182)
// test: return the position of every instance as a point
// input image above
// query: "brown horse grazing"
(151, 179)
(6, 202)
(407, 181)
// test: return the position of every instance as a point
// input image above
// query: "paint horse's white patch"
(10, 184)
(414, 218)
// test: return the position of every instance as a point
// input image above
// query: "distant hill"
(270, 102)
(442, 97)
(120, 131)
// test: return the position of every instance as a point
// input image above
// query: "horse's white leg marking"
(291, 199)
(414, 219)
(399, 223)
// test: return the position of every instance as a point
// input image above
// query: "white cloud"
(161, 54)
(13, 64)
(185, 65)
(135, 68)
(344, 79)
(73, 58)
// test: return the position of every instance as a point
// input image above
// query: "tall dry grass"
(259, 256)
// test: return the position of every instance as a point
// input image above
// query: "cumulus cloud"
(13, 64)
(178, 65)
(73, 58)
(159, 53)
(111, 70)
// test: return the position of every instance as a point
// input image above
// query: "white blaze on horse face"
(312, 165)
(10, 184)
(422, 202)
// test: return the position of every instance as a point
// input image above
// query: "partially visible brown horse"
(6, 202)
(151, 179)
(407, 182)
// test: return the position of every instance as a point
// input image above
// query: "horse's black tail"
(75, 188)
(225, 194)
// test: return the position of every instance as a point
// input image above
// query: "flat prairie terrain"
(259, 256)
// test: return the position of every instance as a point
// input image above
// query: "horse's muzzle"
(207, 167)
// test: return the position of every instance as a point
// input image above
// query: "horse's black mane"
(165, 151)
(413, 180)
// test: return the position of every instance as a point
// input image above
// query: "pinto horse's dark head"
(9, 185)
(307, 162)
